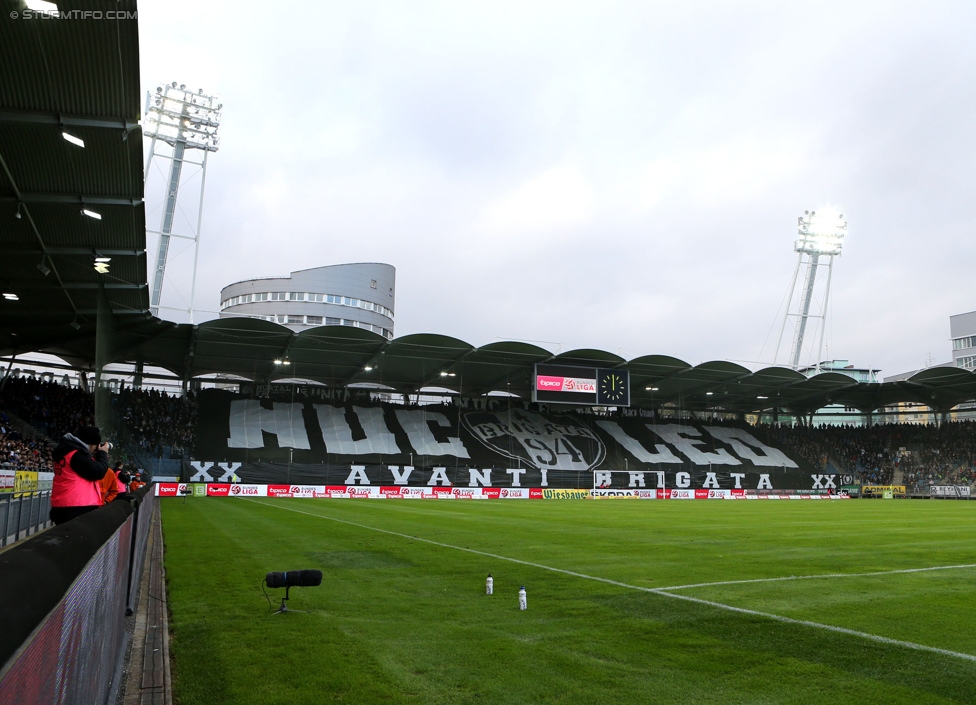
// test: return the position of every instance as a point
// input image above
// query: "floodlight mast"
(182, 119)
(820, 235)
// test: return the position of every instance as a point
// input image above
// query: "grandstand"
(341, 412)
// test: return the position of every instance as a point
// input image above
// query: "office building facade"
(360, 295)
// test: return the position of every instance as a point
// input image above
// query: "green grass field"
(398, 620)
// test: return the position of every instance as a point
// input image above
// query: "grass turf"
(402, 621)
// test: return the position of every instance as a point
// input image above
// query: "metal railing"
(21, 517)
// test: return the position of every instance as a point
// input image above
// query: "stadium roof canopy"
(342, 356)
(80, 78)
(74, 79)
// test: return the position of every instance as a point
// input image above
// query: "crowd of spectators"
(54, 409)
(157, 421)
(152, 421)
(19, 453)
(921, 454)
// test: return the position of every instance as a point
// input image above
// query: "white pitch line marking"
(817, 577)
(655, 591)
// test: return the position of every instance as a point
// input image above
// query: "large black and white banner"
(510, 446)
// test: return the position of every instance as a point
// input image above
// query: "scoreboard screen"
(562, 384)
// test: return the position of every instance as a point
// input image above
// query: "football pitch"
(628, 601)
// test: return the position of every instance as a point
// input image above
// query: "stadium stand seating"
(159, 425)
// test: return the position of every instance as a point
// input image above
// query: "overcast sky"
(624, 176)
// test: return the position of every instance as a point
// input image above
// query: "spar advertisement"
(215, 489)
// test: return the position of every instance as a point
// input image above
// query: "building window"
(963, 343)
(296, 296)
(968, 362)
(329, 321)
(313, 320)
(279, 296)
(372, 283)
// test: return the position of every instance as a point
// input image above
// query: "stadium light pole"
(182, 119)
(821, 235)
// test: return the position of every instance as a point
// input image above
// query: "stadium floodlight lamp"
(95, 215)
(289, 579)
(182, 115)
(77, 141)
(650, 389)
(45, 8)
(10, 296)
(821, 233)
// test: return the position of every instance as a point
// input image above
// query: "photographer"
(80, 463)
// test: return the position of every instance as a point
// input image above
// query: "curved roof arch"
(588, 357)
(501, 366)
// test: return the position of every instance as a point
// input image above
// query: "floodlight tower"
(182, 120)
(821, 235)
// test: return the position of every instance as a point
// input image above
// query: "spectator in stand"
(80, 463)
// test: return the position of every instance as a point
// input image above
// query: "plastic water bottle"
(522, 603)
(489, 585)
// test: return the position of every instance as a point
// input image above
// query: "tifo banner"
(705, 478)
(310, 439)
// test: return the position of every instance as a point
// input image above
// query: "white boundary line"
(655, 591)
(818, 577)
